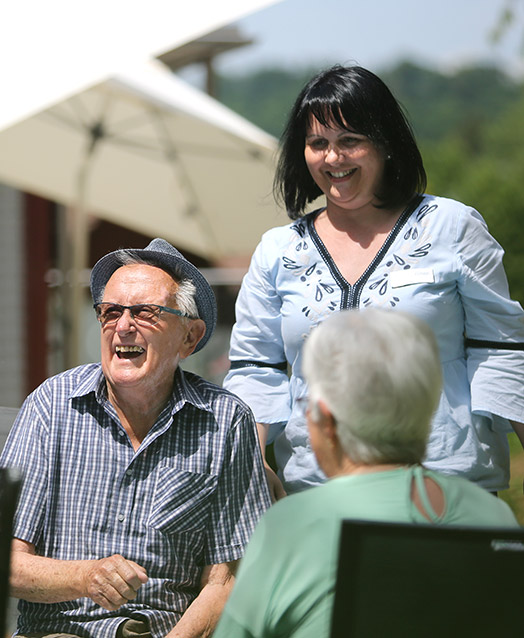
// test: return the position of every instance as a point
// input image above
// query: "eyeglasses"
(145, 314)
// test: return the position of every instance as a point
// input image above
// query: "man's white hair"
(378, 371)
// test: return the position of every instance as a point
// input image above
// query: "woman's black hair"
(349, 97)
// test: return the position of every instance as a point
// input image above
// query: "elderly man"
(142, 482)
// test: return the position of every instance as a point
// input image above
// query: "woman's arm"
(276, 489)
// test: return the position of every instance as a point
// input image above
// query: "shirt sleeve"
(280, 588)
(242, 494)
(228, 626)
(258, 371)
(26, 450)
(248, 607)
(494, 323)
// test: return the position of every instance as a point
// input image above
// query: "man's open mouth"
(129, 352)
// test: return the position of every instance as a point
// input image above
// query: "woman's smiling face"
(346, 166)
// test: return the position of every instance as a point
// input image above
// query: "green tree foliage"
(265, 97)
(439, 105)
(509, 20)
(489, 176)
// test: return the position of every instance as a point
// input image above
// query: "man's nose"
(125, 321)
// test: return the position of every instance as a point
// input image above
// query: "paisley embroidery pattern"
(319, 294)
(416, 244)
(322, 293)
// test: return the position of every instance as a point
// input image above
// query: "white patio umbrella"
(149, 152)
(53, 49)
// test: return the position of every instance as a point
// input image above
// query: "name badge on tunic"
(399, 278)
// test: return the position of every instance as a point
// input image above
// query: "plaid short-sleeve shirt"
(189, 496)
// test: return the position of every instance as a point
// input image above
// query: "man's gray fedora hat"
(160, 252)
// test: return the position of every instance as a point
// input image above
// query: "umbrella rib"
(66, 120)
(181, 176)
(190, 149)
(99, 131)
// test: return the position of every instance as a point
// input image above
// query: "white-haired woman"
(374, 382)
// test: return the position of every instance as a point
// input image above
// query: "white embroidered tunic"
(440, 263)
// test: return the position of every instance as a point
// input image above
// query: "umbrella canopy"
(51, 50)
(149, 152)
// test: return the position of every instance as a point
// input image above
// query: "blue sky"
(442, 34)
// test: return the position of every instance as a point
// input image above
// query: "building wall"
(12, 270)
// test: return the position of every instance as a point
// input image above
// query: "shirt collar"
(184, 391)
(92, 380)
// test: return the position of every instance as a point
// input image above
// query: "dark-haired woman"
(377, 241)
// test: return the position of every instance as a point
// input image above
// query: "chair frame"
(10, 483)
(398, 579)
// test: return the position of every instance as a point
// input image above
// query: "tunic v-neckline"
(351, 292)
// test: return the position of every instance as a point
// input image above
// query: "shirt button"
(129, 472)
(121, 433)
(121, 517)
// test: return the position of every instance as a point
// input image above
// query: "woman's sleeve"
(494, 324)
(247, 609)
(258, 372)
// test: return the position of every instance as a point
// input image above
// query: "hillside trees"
(489, 176)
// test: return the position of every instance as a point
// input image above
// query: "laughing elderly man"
(142, 482)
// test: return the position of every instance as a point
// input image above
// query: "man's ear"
(195, 332)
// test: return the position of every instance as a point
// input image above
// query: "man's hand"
(276, 489)
(111, 582)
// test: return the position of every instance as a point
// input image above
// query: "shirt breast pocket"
(181, 500)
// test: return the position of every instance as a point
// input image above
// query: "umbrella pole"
(77, 258)
(79, 244)
(77, 281)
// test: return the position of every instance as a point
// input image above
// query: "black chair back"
(428, 581)
(7, 417)
(9, 488)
